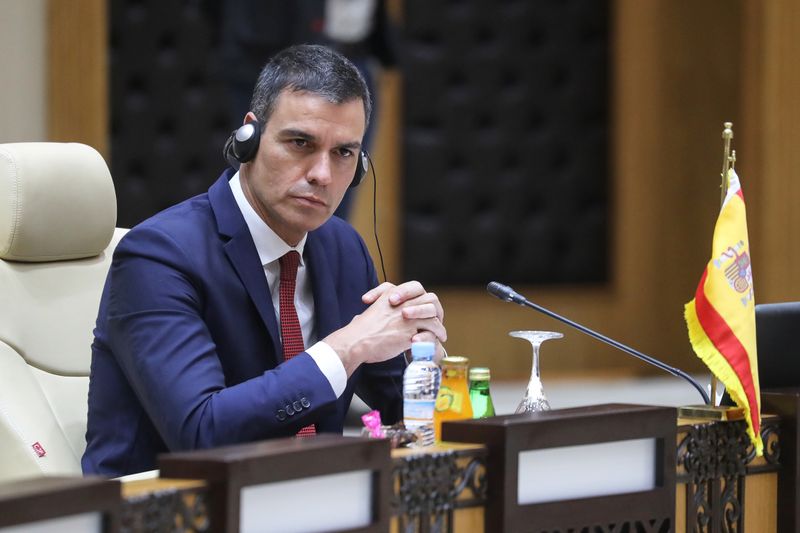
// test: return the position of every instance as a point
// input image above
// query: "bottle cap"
(454, 360)
(422, 350)
(479, 373)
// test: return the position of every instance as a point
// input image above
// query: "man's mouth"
(311, 199)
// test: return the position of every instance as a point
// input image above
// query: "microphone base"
(708, 412)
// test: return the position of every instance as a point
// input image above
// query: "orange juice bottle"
(452, 402)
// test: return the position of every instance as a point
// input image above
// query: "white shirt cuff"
(330, 365)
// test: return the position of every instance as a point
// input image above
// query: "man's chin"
(310, 223)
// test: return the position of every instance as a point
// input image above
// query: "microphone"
(507, 294)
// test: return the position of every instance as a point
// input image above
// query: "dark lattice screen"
(506, 141)
(169, 114)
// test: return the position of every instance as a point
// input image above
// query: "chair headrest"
(57, 202)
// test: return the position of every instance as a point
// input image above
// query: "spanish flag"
(721, 317)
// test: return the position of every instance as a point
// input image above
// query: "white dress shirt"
(270, 249)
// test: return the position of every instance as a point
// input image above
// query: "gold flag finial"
(727, 159)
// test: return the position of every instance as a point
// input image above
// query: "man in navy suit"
(188, 351)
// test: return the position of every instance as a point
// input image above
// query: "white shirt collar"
(270, 247)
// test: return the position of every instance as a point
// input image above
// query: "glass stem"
(535, 385)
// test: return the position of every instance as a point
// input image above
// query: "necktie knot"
(289, 263)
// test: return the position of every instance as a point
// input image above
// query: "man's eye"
(300, 143)
(345, 152)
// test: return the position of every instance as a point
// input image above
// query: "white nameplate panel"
(573, 472)
(79, 523)
(319, 503)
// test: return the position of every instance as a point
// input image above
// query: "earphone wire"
(375, 215)
(398, 387)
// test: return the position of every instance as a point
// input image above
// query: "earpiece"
(242, 146)
(361, 168)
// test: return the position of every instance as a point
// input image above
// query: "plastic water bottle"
(420, 386)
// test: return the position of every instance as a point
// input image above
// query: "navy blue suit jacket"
(187, 351)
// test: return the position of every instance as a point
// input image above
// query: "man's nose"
(320, 171)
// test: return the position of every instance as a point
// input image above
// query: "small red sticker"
(39, 449)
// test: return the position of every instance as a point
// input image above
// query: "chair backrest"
(778, 360)
(57, 218)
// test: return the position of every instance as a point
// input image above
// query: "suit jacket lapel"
(243, 255)
(326, 303)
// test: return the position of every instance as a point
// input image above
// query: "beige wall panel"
(23, 105)
(77, 86)
(770, 79)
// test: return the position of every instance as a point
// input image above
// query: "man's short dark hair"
(309, 68)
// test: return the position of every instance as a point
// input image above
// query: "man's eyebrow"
(293, 133)
(355, 145)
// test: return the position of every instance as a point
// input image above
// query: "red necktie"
(291, 334)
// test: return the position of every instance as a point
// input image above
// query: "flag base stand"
(711, 412)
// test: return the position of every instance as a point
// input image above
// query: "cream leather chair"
(57, 216)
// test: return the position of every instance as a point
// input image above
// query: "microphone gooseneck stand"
(507, 294)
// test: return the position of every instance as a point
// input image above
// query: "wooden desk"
(164, 505)
(719, 485)
(440, 488)
(60, 503)
(443, 486)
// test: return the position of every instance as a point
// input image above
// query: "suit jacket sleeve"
(163, 345)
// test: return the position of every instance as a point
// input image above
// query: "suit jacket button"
(297, 406)
(281, 415)
(289, 410)
(304, 402)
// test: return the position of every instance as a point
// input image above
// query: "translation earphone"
(242, 147)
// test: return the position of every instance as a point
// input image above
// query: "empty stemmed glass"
(534, 399)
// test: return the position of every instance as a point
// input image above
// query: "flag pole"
(728, 160)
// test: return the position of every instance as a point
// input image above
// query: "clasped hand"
(397, 316)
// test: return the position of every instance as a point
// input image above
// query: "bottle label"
(418, 411)
(449, 400)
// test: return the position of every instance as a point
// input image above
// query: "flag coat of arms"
(721, 317)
